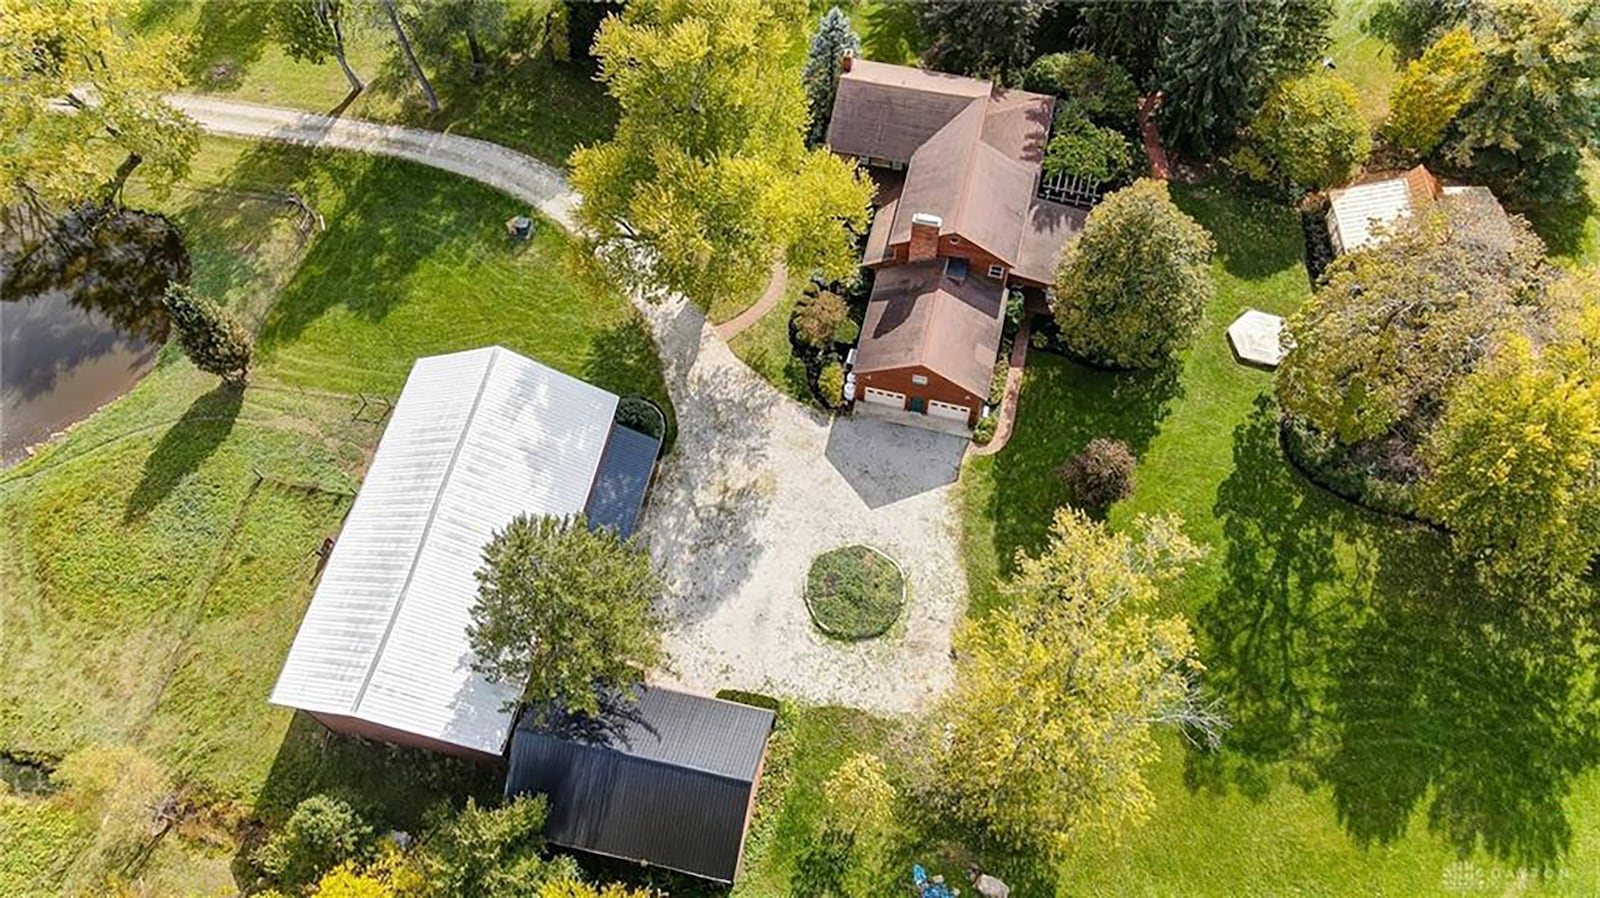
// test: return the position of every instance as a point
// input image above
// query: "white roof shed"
(475, 439)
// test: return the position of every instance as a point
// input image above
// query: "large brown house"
(958, 220)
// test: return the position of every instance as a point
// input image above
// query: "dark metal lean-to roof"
(666, 780)
(621, 480)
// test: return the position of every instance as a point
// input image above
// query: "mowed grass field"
(1392, 733)
(155, 561)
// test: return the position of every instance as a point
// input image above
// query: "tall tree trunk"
(480, 66)
(411, 58)
(330, 19)
(114, 187)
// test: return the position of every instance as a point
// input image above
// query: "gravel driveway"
(759, 485)
(756, 487)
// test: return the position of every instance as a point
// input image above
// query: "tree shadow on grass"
(1562, 224)
(228, 40)
(185, 447)
(1356, 651)
(622, 358)
(1063, 406)
(1255, 236)
(392, 217)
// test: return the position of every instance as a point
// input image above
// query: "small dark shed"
(668, 780)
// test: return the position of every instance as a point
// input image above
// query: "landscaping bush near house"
(1100, 474)
(983, 434)
(830, 383)
(819, 321)
(854, 593)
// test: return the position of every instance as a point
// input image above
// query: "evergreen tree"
(1126, 32)
(833, 40)
(984, 40)
(210, 337)
(1221, 60)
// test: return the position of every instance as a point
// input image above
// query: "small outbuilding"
(476, 439)
(667, 779)
(1356, 212)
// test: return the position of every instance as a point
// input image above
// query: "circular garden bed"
(854, 593)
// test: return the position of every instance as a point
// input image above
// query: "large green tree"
(708, 178)
(1132, 287)
(1539, 107)
(1220, 60)
(1395, 326)
(439, 26)
(1309, 133)
(82, 56)
(564, 612)
(985, 40)
(1051, 723)
(1515, 462)
(1126, 32)
(833, 41)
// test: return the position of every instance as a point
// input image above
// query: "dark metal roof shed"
(666, 780)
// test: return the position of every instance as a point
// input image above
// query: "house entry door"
(919, 405)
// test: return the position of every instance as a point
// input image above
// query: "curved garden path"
(757, 486)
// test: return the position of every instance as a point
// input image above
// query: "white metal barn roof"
(476, 438)
(1352, 211)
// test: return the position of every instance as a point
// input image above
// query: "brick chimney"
(924, 237)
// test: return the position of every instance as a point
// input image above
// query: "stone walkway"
(770, 298)
(1008, 403)
(757, 486)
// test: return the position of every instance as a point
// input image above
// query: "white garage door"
(946, 410)
(884, 397)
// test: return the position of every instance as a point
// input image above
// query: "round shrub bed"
(854, 593)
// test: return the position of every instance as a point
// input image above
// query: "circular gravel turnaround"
(854, 593)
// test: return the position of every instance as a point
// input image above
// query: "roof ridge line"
(691, 768)
(433, 511)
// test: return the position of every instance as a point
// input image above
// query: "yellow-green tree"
(349, 881)
(707, 179)
(1515, 461)
(1433, 91)
(83, 105)
(1309, 133)
(1051, 724)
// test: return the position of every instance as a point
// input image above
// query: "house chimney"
(924, 237)
(846, 61)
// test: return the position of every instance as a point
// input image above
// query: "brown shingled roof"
(972, 150)
(918, 317)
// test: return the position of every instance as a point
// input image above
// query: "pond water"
(80, 318)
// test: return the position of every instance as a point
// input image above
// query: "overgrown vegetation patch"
(854, 593)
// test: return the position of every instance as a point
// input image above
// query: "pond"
(80, 318)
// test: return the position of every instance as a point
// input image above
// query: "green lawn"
(765, 347)
(528, 102)
(156, 561)
(1391, 733)
(1362, 59)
